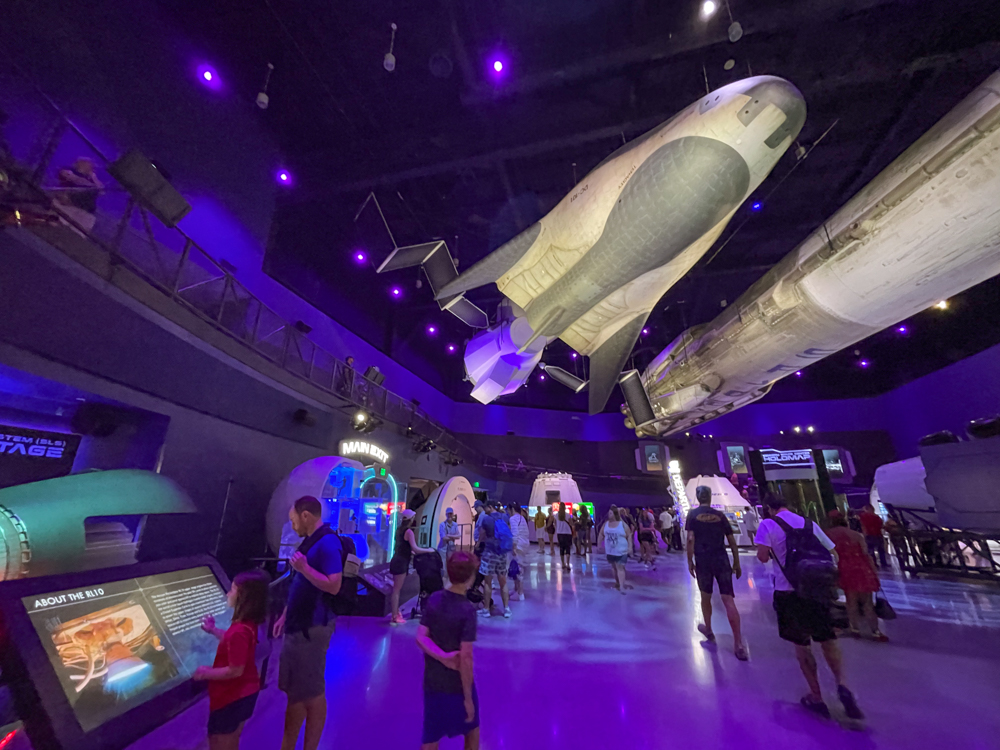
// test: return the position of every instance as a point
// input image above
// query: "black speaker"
(374, 375)
(939, 438)
(149, 186)
(983, 428)
(96, 420)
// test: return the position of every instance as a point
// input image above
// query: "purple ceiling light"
(863, 363)
(209, 78)
(360, 256)
(572, 355)
(451, 348)
(542, 376)
(798, 374)
(645, 331)
(283, 177)
(902, 330)
(396, 292)
(432, 330)
(498, 66)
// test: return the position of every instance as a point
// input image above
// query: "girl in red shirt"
(233, 679)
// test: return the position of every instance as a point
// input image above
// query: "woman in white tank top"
(617, 539)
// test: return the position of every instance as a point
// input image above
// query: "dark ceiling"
(451, 151)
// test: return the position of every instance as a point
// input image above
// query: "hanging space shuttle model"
(926, 228)
(591, 270)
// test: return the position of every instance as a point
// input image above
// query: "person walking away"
(564, 533)
(586, 526)
(646, 537)
(446, 635)
(708, 532)
(399, 565)
(550, 529)
(802, 620)
(233, 681)
(540, 522)
(617, 541)
(666, 527)
(519, 530)
(675, 535)
(494, 558)
(449, 535)
(871, 525)
(308, 623)
(857, 576)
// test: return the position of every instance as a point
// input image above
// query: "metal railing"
(176, 265)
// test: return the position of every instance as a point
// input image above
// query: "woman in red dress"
(858, 576)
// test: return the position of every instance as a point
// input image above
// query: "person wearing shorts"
(493, 562)
(802, 621)
(308, 624)
(617, 539)
(647, 540)
(708, 531)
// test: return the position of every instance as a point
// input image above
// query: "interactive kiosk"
(100, 658)
(742, 516)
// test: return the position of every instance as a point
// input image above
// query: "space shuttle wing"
(494, 265)
(606, 363)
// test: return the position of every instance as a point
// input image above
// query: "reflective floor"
(582, 666)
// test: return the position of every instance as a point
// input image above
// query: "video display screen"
(737, 459)
(834, 464)
(117, 645)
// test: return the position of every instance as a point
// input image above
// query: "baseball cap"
(408, 514)
(449, 510)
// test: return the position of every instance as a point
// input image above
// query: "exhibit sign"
(788, 464)
(28, 455)
(651, 458)
(363, 448)
(117, 644)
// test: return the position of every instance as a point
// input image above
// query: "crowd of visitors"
(806, 565)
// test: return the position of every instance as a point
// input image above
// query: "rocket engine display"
(924, 229)
(591, 270)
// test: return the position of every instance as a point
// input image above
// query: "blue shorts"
(228, 719)
(444, 716)
(617, 559)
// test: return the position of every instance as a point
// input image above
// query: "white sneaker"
(484, 613)
(507, 613)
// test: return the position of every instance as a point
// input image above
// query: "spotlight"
(451, 348)
(498, 66)
(396, 292)
(708, 9)
(360, 417)
(810, 428)
(902, 330)
(781, 432)
(542, 376)
(431, 330)
(863, 363)
(797, 429)
(207, 75)
(755, 206)
(572, 355)
(645, 331)
(284, 177)
(798, 374)
(209, 78)
(942, 305)
(359, 256)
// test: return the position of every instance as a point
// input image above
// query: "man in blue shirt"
(448, 535)
(494, 562)
(308, 623)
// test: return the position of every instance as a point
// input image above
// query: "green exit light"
(475, 484)
(382, 472)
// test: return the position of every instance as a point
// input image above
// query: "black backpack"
(809, 566)
(345, 600)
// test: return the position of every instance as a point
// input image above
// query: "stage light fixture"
(645, 331)
(360, 256)
(498, 66)
(798, 374)
(902, 329)
(451, 348)
(756, 206)
(797, 429)
(810, 428)
(573, 355)
(942, 305)
(284, 177)
(360, 417)
(863, 364)
(708, 9)
(396, 292)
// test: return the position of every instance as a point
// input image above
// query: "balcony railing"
(175, 264)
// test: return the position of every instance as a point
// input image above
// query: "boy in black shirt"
(708, 531)
(446, 634)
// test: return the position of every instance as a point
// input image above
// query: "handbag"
(883, 610)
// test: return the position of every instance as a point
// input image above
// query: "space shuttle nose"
(784, 96)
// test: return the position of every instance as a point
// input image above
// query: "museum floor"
(581, 666)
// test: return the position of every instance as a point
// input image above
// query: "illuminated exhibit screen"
(834, 463)
(118, 644)
(737, 459)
